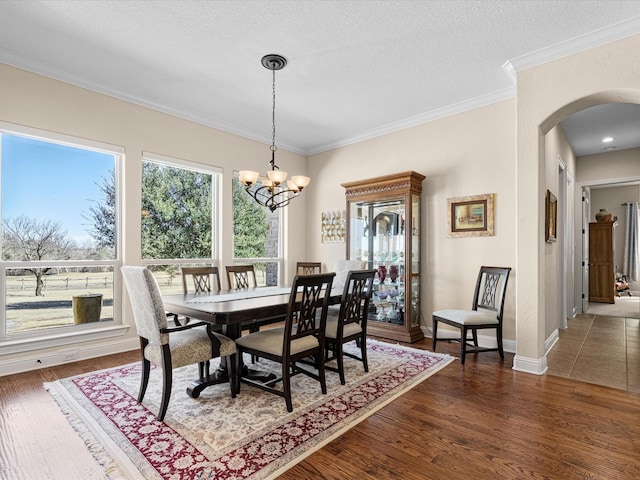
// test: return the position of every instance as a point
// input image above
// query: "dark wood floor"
(481, 421)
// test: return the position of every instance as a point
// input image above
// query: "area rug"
(215, 436)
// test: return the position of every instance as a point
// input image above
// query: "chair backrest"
(308, 294)
(205, 279)
(241, 276)
(146, 300)
(490, 289)
(354, 307)
(308, 268)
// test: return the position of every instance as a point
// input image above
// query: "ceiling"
(356, 69)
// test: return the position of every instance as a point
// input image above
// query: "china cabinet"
(383, 230)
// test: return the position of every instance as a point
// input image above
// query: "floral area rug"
(217, 437)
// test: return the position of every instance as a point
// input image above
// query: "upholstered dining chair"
(167, 347)
(300, 338)
(308, 268)
(241, 276)
(351, 323)
(486, 313)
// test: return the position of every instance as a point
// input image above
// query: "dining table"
(233, 311)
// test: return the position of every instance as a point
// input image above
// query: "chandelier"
(274, 190)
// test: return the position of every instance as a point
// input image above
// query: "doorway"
(614, 197)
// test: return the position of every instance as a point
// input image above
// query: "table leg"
(221, 374)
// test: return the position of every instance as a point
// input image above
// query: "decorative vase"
(393, 273)
(382, 273)
(603, 215)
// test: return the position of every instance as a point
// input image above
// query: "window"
(59, 238)
(179, 211)
(256, 236)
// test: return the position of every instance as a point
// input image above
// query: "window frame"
(216, 205)
(67, 334)
(279, 259)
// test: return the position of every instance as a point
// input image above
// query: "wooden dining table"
(233, 310)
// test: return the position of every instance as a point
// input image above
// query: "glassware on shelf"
(382, 273)
(393, 273)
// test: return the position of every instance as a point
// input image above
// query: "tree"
(102, 214)
(26, 239)
(176, 212)
(249, 225)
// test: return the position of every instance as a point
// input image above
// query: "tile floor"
(599, 349)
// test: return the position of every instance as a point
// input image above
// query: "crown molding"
(99, 86)
(572, 46)
(449, 110)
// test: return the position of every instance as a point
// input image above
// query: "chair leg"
(463, 345)
(499, 339)
(286, 384)
(144, 379)
(363, 352)
(474, 333)
(340, 360)
(238, 370)
(321, 375)
(231, 365)
(167, 381)
(435, 333)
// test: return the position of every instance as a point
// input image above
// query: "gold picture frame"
(471, 216)
(550, 217)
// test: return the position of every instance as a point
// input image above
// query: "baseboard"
(67, 355)
(536, 366)
(551, 341)
(483, 340)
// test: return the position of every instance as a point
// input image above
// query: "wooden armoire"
(601, 262)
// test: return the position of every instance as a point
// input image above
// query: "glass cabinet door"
(384, 232)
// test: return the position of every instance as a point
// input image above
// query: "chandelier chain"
(273, 114)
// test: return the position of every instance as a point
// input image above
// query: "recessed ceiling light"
(612, 147)
(607, 140)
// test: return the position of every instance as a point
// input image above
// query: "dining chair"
(204, 279)
(241, 276)
(308, 268)
(351, 323)
(300, 338)
(486, 312)
(170, 347)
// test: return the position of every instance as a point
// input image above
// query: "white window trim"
(67, 335)
(216, 175)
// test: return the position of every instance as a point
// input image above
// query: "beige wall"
(467, 154)
(546, 95)
(558, 154)
(38, 102)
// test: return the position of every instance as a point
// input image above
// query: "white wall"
(467, 154)
(39, 102)
(546, 95)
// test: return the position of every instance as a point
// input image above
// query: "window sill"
(57, 340)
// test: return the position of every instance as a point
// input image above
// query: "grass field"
(24, 311)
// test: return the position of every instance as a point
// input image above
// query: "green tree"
(26, 239)
(102, 214)
(176, 212)
(249, 225)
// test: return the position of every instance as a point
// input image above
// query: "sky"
(48, 181)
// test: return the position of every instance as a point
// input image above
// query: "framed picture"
(551, 217)
(333, 226)
(471, 216)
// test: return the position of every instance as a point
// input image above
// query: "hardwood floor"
(481, 421)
